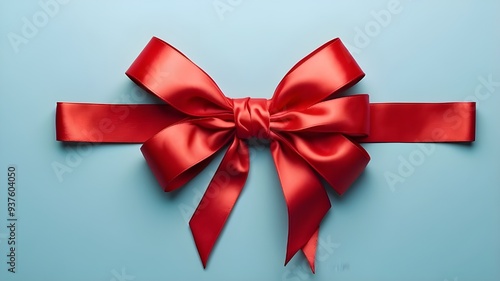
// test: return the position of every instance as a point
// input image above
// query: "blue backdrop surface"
(106, 218)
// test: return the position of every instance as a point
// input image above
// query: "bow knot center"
(251, 118)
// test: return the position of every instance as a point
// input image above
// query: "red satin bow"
(310, 135)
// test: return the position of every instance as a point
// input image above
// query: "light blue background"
(109, 217)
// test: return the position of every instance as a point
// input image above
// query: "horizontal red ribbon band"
(310, 134)
(389, 122)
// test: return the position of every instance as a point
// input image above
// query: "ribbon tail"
(219, 199)
(118, 123)
(305, 198)
(309, 250)
(422, 122)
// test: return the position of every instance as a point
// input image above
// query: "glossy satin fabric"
(310, 134)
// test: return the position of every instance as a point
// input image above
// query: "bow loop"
(167, 73)
(347, 115)
(190, 144)
(339, 160)
(319, 75)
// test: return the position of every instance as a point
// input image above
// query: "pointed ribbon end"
(309, 250)
(289, 256)
(203, 246)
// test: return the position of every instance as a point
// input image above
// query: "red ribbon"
(310, 134)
